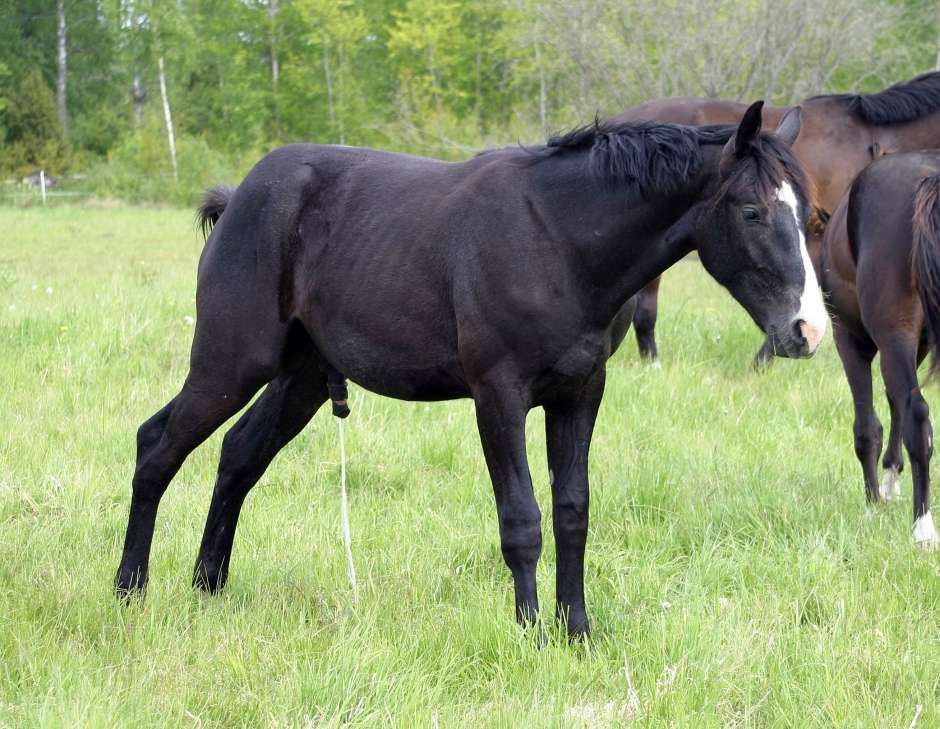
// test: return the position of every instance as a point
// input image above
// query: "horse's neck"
(833, 147)
(619, 238)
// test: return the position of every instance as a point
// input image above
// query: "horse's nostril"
(810, 335)
(797, 330)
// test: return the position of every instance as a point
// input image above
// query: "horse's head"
(750, 234)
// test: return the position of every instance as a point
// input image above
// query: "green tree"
(453, 73)
(440, 77)
(35, 135)
(337, 33)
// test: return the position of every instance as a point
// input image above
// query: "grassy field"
(735, 577)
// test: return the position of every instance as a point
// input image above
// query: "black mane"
(661, 158)
(903, 102)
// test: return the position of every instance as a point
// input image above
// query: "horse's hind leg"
(899, 369)
(644, 320)
(918, 437)
(856, 359)
(238, 346)
(893, 462)
(163, 443)
(284, 408)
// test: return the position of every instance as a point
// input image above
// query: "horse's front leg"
(501, 420)
(569, 425)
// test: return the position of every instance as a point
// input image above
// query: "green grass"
(735, 577)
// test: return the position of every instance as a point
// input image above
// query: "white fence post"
(42, 185)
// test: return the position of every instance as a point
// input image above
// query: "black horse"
(881, 271)
(499, 278)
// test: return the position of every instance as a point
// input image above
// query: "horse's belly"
(392, 332)
(411, 383)
(410, 363)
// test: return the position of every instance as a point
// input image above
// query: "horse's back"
(879, 236)
(881, 205)
(303, 195)
(689, 110)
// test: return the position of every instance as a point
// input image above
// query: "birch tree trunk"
(62, 70)
(168, 117)
(543, 112)
(329, 82)
(937, 64)
(275, 67)
(137, 92)
(340, 92)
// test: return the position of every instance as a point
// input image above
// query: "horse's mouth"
(790, 346)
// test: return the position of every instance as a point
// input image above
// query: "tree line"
(152, 99)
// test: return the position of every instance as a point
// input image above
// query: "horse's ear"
(747, 134)
(748, 129)
(788, 129)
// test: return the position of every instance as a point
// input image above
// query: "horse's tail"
(925, 254)
(212, 206)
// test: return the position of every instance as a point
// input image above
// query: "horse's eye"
(750, 213)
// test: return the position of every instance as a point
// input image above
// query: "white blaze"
(812, 310)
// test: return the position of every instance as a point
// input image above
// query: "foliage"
(439, 77)
(139, 168)
(34, 136)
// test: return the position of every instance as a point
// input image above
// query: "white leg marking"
(812, 309)
(890, 484)
(925, 534)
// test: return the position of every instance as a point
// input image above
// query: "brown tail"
(212, 206)
(925, 252)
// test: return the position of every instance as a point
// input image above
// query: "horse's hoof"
(578, 634)
(576, 626)
(130, 584)
(656, 364)
(209, 577)
(925, 534)
(890, 488)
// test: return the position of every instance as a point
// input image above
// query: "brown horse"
(840, 135)
(881, 269)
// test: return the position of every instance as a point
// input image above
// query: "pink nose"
(812, 335)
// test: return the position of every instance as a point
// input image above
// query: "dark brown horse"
(841, 134)
(881, 271)
(502, 278)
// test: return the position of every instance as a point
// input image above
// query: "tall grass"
(734, 575)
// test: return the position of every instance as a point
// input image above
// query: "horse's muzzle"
(798, 340)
